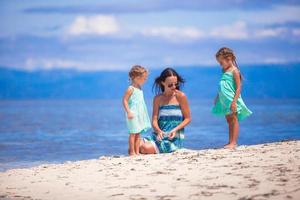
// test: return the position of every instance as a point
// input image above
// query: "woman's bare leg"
(147, 148)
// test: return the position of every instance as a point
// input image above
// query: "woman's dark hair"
(158, 86)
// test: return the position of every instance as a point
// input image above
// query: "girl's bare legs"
(235, 129)
(147, 148)
(228, 119)
(137, 144)
(131, 143)
(233, 126)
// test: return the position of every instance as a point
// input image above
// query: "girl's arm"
(155, 126)
(126, 96)
(185, 109)
(236, 77)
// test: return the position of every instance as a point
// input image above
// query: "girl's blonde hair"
(137, 71)
(226, 53)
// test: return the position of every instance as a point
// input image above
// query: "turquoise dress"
(226, 94)
(140, 122)
(169, 117)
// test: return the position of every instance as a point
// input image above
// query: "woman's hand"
(233, 106)
(171, 135)
(160, 135)
(130, 115)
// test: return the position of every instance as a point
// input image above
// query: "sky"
(114, 35)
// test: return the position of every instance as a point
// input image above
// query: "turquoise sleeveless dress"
(169, 117)
(140, 123)
(226, 94)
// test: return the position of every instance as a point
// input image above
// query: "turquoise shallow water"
(53, 131)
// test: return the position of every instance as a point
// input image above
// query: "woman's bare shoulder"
(157, 98)
(180, 94)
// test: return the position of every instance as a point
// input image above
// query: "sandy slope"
(266, 171)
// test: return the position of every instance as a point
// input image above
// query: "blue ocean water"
(54, 131)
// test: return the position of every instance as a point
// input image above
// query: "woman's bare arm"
(185, 109)
(156, 103)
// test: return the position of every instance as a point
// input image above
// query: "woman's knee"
(142, 149)
(147, 148)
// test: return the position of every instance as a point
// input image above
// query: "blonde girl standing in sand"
(137, 117)
(228, 101)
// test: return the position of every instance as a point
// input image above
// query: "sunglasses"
(173, 84)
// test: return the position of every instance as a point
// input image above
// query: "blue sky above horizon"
(114, 35)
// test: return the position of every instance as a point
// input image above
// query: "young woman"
(171, 113)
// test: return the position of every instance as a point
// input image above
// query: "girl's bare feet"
(230, 146)
(223, 146)
(131, 152)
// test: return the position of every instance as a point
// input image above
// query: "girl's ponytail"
(226, 52)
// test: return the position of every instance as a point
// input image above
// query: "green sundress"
(226, 94)
(140, 122)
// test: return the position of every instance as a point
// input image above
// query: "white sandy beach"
(265, 171)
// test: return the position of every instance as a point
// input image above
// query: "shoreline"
(270, 170)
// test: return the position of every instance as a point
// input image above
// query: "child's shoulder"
(235, 70)
(129, 89)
